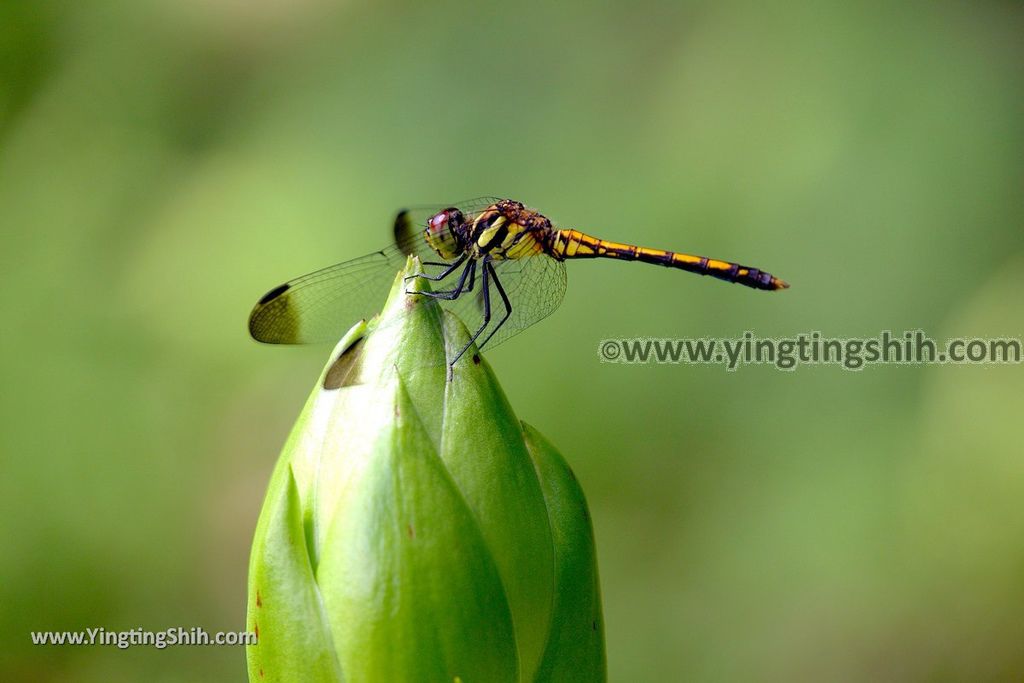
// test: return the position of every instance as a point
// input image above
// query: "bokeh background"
(164, 162)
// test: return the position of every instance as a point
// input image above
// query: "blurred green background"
(163, 163)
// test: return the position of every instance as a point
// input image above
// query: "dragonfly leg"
(504, 300)
(449, 268)
(472, 280)
(487, 316)
(451, 294)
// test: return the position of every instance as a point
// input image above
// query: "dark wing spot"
(403, 228)
(274, 293)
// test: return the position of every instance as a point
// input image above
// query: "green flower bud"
(415, 530)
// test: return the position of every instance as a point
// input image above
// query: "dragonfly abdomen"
(568, 244)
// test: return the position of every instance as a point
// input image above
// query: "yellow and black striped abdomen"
(567, 244)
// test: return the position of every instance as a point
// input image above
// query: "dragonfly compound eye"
(444, 232)
(449, 219)
(437, 223)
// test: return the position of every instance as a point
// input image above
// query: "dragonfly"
(505, 263)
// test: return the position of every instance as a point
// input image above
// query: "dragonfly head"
(444, 233)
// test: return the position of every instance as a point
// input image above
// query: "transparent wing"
(535, 286)
(320, 306)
